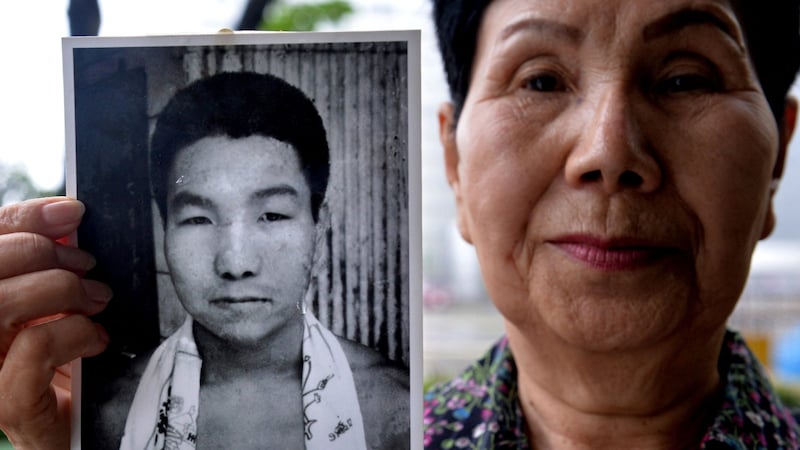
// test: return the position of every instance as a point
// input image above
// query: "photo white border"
(412, 37)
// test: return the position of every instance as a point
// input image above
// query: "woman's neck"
(655, 398)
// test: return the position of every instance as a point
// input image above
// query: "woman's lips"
(610, 254)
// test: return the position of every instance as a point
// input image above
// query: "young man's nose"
(236, 257)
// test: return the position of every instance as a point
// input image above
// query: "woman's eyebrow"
(684, 18)
(543, 26)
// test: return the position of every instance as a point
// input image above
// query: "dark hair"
(771, 28)
(239, 105)
(772, 31)
(457, 23)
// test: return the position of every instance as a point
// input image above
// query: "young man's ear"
(447, 136)
(786, 132)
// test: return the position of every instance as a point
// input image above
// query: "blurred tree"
(253, 13)
(16, 185)
(4, 444)
(84, 17)
(283, 16)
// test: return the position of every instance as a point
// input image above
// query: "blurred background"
(459, 321)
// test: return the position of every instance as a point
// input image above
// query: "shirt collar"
(481, 408)
(750, 414)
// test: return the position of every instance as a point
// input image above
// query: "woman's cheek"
(502, 193)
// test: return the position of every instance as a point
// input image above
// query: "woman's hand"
(44, 305)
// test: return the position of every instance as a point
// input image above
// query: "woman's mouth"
(614, 254)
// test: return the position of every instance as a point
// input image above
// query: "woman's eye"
(686, 83)
(198, 220)
(545, 83)
(272, 217)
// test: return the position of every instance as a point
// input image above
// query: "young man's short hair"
(239, 105)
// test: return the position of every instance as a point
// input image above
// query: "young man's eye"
(272, 217)
(197, 220)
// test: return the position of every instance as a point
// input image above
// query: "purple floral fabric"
(479, 409)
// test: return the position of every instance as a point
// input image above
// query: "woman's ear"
(447, 136)
(786, 132)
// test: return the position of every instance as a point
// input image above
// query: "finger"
(38, 295)
(54, 217)
(63, 377)
(38, 352)
(62, 384)
(28, 403)
(24, 252)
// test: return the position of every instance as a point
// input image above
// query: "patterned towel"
(164, 413)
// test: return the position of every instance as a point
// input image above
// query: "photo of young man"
(239, 168)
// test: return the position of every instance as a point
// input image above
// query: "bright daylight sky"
(31, 118)
(32, 115)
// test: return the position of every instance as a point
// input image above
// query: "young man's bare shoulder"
(371, 366)
(383, 394)
(114, 400)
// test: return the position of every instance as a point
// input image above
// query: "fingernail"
(74, 259)
(63, 212)
(97, 291)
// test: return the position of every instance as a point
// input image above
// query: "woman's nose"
(236, 257)
(612, 151)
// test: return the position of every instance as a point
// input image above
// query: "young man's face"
(239, 235)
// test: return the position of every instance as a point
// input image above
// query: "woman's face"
(612, 166)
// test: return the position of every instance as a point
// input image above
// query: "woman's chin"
(603, 324)
(599, 335)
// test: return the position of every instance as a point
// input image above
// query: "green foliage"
(282, 16)
(433, 380)
(4, 444)
(790, 395)
(16, 185)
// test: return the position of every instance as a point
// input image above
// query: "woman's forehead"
(603, 27)
(503, 16)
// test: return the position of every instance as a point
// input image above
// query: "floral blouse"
(480, 410)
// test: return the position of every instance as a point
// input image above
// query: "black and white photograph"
(253, 202)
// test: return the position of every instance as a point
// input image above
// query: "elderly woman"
(613, 163)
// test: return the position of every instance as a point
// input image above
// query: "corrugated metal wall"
(360, 279)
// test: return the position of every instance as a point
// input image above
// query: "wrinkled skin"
(612, 165)
(615, 131)
(44, 305)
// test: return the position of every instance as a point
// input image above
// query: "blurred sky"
(32, 113)
(31, 87)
